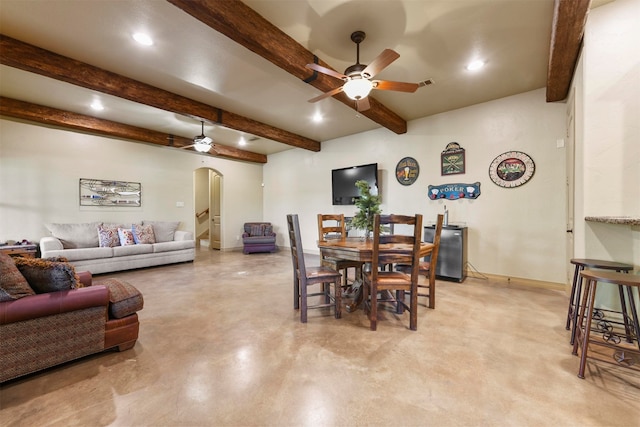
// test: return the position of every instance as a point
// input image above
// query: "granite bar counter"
(623, 220)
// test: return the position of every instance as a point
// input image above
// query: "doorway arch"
(208, 207)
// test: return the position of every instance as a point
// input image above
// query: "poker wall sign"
(454, 191)
(511, 169)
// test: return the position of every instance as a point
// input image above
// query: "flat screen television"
(343, 182)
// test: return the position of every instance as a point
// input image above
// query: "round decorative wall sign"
(511, 169)
(407, 171)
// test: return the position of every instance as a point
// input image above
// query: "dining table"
(361, 249)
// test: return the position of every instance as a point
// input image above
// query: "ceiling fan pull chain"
(313, 76)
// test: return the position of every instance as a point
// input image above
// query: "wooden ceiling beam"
(246, 27)
(27, 57)
(65, 119)
(567, 32)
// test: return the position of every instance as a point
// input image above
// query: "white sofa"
(80, 245)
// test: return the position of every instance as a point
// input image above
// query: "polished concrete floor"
(220, 345)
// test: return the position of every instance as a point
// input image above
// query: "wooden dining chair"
(332, 226)
(385, 282)
(304, 276)
(428, 268)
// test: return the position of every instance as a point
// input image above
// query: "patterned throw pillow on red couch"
(13, 285)
(44, 275)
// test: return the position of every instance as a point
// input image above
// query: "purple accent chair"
(258, 237)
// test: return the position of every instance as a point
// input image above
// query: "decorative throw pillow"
(48, 276)
(13, 285)
(75, 236)
(257, 230)
(108, 236)
(126, 237)
(143, 234)
(268, 230)
(163, 230)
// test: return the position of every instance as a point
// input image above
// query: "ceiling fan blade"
(397, 86)
(187, 146)
(362, 104)
(327, 71)
(380, 63)
(327, 94)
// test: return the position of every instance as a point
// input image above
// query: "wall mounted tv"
(343, 182)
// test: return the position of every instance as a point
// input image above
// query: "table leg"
(590, 292)
(576, 305)
(573, 299)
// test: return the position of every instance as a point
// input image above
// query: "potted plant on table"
(368, 205)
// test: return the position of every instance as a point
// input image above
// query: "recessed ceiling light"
(242, 142)
(317, 118)
(475, 65)
(97, 106)
(143, 39)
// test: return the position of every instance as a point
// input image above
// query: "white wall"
(40, 168)
(607, 84)
(512, 232)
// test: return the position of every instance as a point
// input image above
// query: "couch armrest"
(52, 303)
(85, 278)
(182, 235)
(50, 243)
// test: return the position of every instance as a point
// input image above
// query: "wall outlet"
(179, 204)
(237, 238)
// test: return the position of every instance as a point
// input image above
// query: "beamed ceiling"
(239, 66)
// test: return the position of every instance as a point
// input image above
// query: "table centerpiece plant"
(368, 205)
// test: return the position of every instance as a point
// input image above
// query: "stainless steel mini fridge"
(452, 256)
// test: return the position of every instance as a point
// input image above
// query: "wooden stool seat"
(576, 287)
(622, 353)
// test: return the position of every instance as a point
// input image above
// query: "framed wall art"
(452, 159)
(511, 169)
(100, 192)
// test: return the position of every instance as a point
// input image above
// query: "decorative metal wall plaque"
(100, 192)
(407, 171)
(452, 159)
(511, 169)
(454, 191)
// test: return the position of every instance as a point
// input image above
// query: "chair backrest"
(297, 254)
(436, 248)
(331, 226)
(409, 253)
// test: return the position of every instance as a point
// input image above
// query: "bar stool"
(576, 287)
(624, 354)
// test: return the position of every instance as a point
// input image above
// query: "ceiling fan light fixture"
(203, 146)
(357, 88)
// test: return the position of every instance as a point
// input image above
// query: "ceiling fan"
(357, 78)
(201, 143)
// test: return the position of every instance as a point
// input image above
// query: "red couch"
(46, 329)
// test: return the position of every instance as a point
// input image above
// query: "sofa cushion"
(132, 250)
(126, 237)
(124, 298)
(13, 285)
(48, 276)
(143, 234)
(108, 236)
(163, 230)
(173, 246)
(75, 235)
(256, 230)
(258, 239)
(83, 254)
